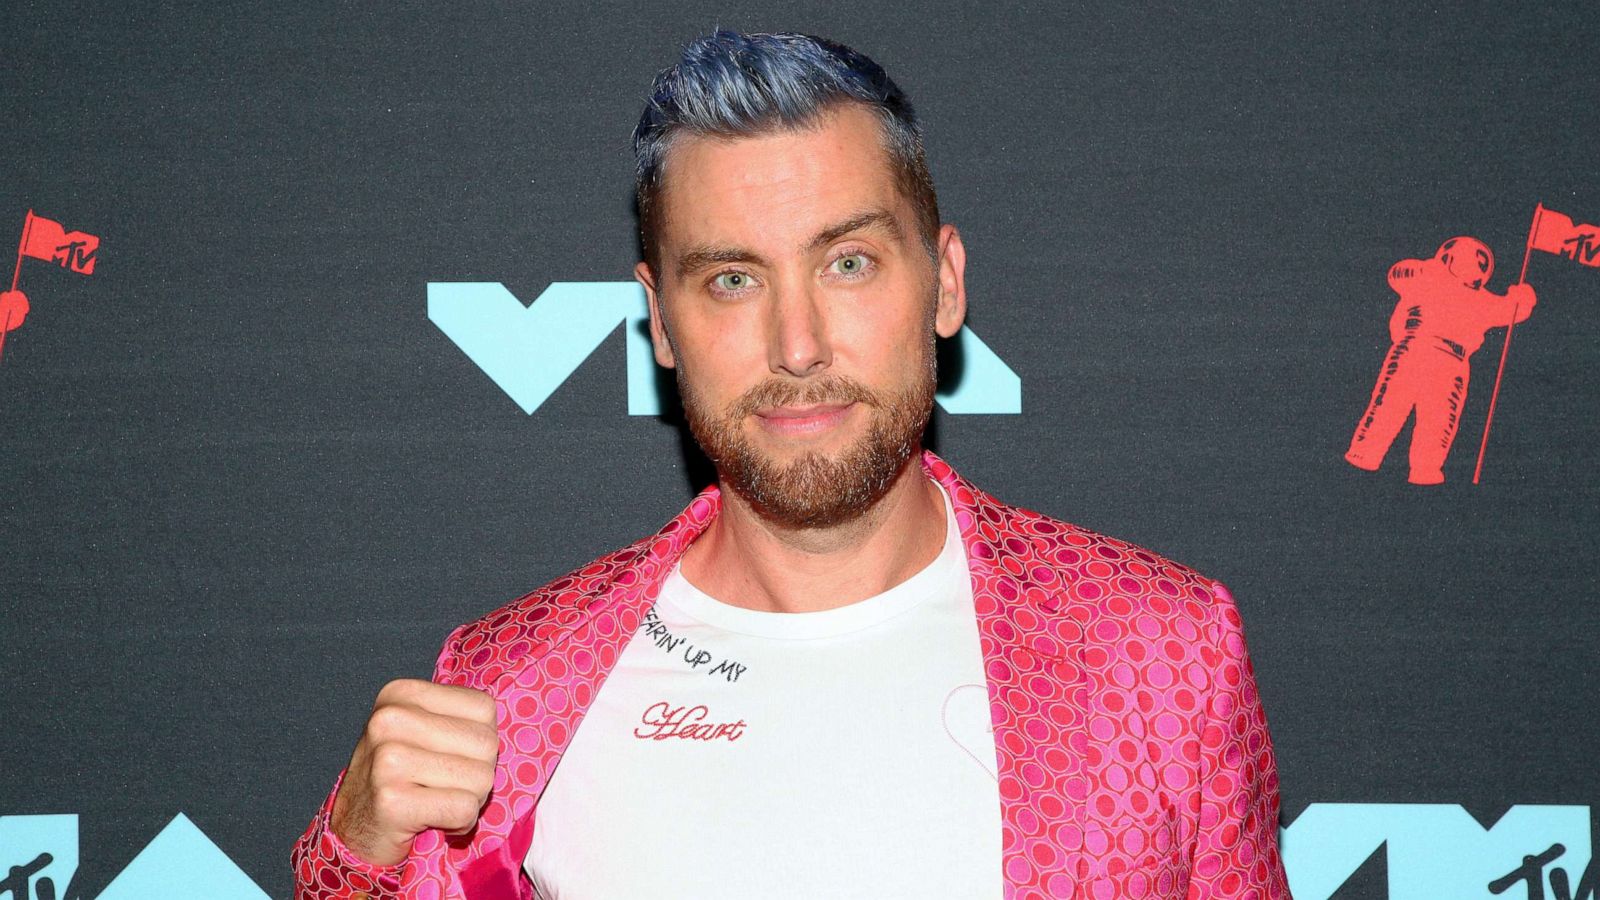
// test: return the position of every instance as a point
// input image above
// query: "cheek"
(881, 336)
(719, 359)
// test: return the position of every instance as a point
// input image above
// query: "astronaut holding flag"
(1442, 315)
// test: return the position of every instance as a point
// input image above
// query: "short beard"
(815, 491)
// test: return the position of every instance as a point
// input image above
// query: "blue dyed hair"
(729, 84)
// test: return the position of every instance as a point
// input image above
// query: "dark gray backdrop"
(244, 481)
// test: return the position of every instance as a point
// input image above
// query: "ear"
(658, 324)
(952, 305)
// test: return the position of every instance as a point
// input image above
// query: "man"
(843, 671)
(1444, 311)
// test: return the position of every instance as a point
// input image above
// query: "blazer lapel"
(1038, 693)
(547, 687)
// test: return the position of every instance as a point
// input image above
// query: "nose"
(798, 341)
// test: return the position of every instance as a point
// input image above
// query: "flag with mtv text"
(1558, 234)
(46, 239)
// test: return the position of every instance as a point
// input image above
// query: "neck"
(745, 560)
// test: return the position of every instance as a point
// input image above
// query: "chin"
(809, 488)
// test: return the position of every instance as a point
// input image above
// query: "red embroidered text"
(662, 721)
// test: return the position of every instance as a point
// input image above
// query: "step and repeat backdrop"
(321, 339)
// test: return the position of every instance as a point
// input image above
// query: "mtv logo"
(1440, 851)
(529, 350)
(39, 856)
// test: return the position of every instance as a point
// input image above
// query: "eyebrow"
(709, 255)
(878, 219)
(702, 257)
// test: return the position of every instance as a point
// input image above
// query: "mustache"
(826, 389)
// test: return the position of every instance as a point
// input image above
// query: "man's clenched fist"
(426, 760)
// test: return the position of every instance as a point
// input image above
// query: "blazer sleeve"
(1236, 851)
(325, 869)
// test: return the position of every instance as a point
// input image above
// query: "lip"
(799, 420)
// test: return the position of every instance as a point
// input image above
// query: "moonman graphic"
(1442, 316)
(798, 276)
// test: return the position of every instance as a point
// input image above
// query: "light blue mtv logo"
(39, 857)
(1439, 852)
(529, 350)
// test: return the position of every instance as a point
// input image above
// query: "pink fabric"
(1133, 751)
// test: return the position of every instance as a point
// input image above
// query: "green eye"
(732, 281)
(853, 264)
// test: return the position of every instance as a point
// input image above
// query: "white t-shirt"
(734, 753)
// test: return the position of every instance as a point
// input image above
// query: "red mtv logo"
(44, 239)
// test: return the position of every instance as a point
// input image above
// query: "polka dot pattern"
(1134, 758)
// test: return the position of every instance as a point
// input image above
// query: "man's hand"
(426, 760)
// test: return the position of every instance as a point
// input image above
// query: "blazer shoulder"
(1086, 566)
(478, 651)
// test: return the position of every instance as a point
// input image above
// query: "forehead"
(769, 188)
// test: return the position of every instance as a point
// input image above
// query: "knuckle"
(463, 809)
(482, 780)
(481, 706)
(389, 763)
(487, 742)
(470, 706)
(388, 722)
(396, 691)
(387, 802)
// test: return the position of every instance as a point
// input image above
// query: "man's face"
(798, 304)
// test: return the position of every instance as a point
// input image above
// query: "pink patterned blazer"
(1134, 760)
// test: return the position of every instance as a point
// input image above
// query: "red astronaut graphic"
(1442, 316)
